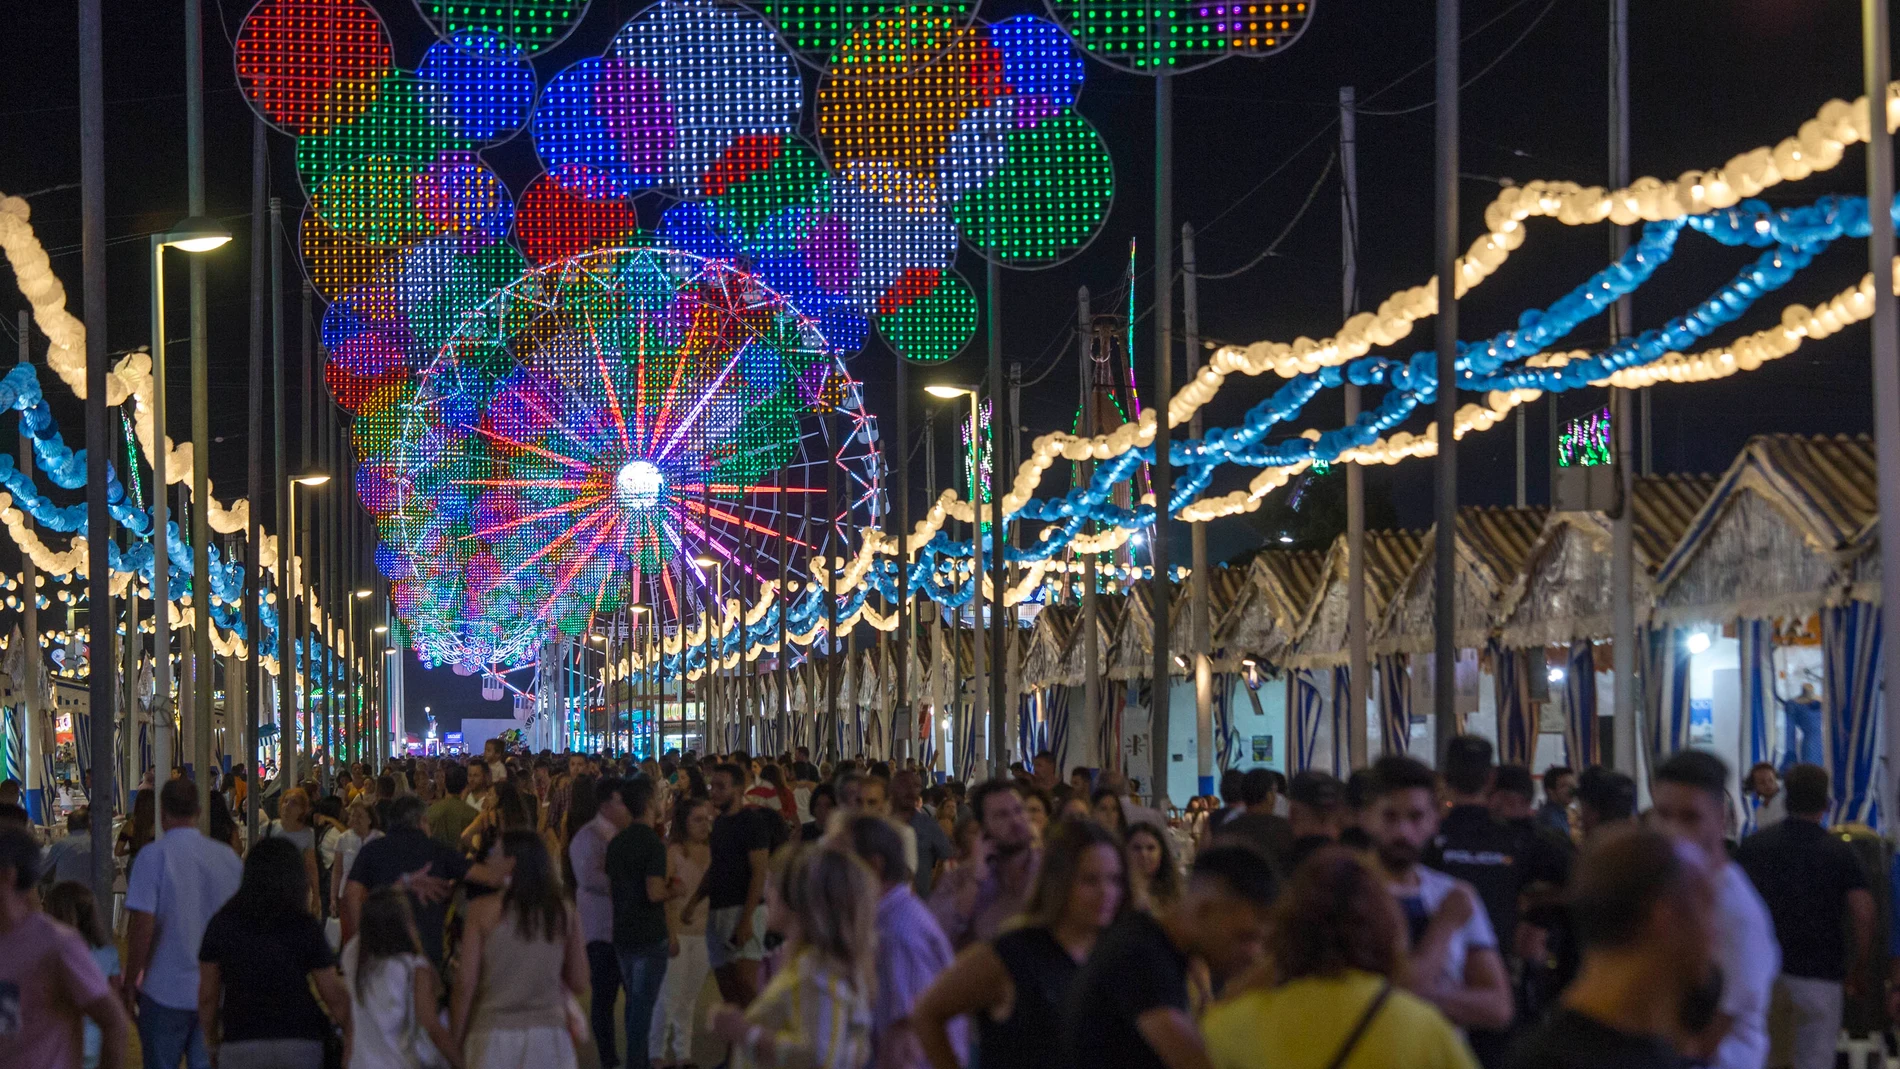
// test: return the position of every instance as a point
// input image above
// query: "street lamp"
(290, 573)
(713, 677)
(982, 693)
(195, 235)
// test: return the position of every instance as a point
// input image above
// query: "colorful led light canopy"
(1180, 34)
(1048, 201)
(815, 29)
(533, 25)
(309, 65)
(928, 316)
(484, 84)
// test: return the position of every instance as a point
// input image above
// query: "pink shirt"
(46, 975)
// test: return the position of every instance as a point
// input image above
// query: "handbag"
(1359, 1030)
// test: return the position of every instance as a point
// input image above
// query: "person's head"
(823, 801)
(1315, 804)
(772, 777)
(1084, 882)
(477, 776)
(360, 817)
(533, 896)
(723, 786)
(850, 791)
(1230, 782)
(1560, 785)
(998, 804)
(1637, 895)
(19, 864)
(1151, 857)
(1036, 808)
(1807, 792)
(385, 787)
(1468, 768)
(1511, 792)
(1690, 795)
(385, 928)
(10, 791)
(410, 812)
(1080, 779)
(1105, 806)
(609, 803)
(1336, 915)
(968, 837)
(79, 820)
(639, 796)
(1222, 916)
(692, 822)
(71, 903)
(455, 779)
(830, 897)
(874, 797)
(1604, 798)
(907, 787)
(1047, 773)
(1763, 781)
(1075, 807)
(576, 764)
(274, 883)
(878, 844)
(1404, 812)
(1256, 788)
(178, 803)
(493, 750)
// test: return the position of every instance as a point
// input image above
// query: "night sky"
(1709, 79)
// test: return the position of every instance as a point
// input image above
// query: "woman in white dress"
(687, 855)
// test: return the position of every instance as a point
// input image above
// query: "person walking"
(670, 1039)
(363, 826)
(1129, 1006)
(816, 1011)
(71, 904)
(1259, 825)
(293, 823)
(450, 815)
(50, 980)
(1333, 1001)
(911, 949)
(972, 902)
(734, 887)
(1691, 796)
(1155, 873)
(1560, 788)
(262, 955)
(177, 883)
(593, 900)
(1817, 896)
(395, 995)
(1015, 986)
(933, 846)
(522, 962)
(1642, 907)
(636, 872)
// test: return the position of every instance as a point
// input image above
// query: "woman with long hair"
(262, 955)
(815, 1013)
(1106, 807)
(522, 963)
(393, 990)
(1014, 985)
(688, 854)
(137, 834)
(1333, 996)
(362, 826)
(293, 824)
(773, 793)
(1157, 874)
(71, 903)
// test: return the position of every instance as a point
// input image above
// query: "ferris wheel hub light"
(638, 485)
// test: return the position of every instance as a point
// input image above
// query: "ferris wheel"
(596, 430)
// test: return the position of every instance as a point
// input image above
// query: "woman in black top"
(1014, 985)
(262, 954)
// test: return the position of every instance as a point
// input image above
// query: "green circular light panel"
(535, 25)
(1049, 199)
(934, 327)
(814, 29)
(1180, 34)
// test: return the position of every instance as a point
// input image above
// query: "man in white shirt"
(593, 898)
(177, 883)
(1690, 793)
(1455, 961)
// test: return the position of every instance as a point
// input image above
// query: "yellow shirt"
(1302, 1025)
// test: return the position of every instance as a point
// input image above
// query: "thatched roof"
(1489, 547)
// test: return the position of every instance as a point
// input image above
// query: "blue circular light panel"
(484, 84)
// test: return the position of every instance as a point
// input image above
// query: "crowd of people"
(519, 911)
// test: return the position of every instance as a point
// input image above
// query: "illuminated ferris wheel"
(596, 429)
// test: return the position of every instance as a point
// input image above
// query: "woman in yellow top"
(1333, 997)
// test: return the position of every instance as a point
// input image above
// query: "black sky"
(1710, 78)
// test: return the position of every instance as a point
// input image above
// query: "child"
(816, 1012)
(393, 990)
(71, 904)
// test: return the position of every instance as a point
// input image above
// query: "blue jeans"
(167, 1035)
(641, 970)
(1805, 718)
(603, 969)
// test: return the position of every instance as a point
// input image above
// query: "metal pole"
(203, 671)
(979, 660)
(999, 579)
(1886, 348)
(164, 746)
(1201, 624)
(1359, 673)
(831, 578)
(1445, 653)
(92, 211)
(306, 615)
(1091, 682)
(783, 668)
(1622, 535)
(254, 481)
(901, 726)
(1162, 472)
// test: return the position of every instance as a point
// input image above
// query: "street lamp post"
(296, 625)
(982, 688)
(195, 235)
(355, 715)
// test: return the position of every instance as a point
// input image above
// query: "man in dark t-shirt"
(1643, 909)
(636, 877)
(1128, 1007)
(1258, 826)
(396, 859)
(1816, 892)
(734, 887)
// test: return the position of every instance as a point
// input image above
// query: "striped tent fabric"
(1055, 720)
(1665, 678)
(1342, 694)
(1756, 657)
(968, 730)
(1304, 730)
(1227, 746)
(1850, 645)
(1510, 673)
(1582, 731)
(1395, 702)
(12, 745)
(1030, 732)
(82, 741)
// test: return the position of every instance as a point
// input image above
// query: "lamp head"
(363, 593)
(311, 478)
(380, 629)
(705, 562)
(197, 234)
(637, 610)
(947, 391)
